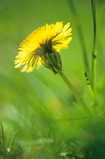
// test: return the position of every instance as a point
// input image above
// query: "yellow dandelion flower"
(42, 47)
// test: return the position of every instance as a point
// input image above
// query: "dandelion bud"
(52, 61)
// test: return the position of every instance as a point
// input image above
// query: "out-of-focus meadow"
(40, 118)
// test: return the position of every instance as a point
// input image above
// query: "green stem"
(94, 59)
(80, 33)
(75, 93)
(90, 88)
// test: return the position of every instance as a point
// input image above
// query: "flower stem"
(74, 92)
(94, 59)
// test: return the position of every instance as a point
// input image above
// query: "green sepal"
(52, 61)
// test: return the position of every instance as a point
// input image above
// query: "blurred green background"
(39, 104)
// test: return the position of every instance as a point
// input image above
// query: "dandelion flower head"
(44, 40)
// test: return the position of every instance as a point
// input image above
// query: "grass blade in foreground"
(3, 146)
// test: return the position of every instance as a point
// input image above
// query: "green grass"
(40, 117)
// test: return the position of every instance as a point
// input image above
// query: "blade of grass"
(9, 149)
(94, 58)
(90, 88)
(80, 33)
(3, 137)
